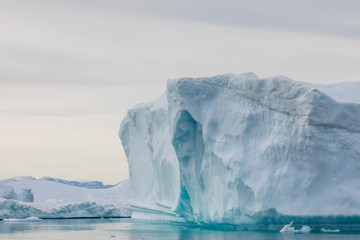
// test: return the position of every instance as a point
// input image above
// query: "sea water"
(86, 229)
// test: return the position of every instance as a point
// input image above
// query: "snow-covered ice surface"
(24, 197)
(237, 149)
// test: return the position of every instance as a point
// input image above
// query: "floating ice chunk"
(29, 219)
(286, 227)
(289, 229)
(329, 230)
(33, 219)
(304, 229)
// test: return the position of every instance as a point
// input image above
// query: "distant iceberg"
(228, 148)
(27, 198)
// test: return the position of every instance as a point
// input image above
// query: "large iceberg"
(24, 197)
(228, 148)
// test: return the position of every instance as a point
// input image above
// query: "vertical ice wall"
(153, 165)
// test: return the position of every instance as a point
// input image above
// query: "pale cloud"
(328, 17)
(145, 42)
(69, 70)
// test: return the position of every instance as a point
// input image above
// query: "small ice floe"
(329, 230)
(33, 219)
(286, 227)
(289, 229)
(304, 229)
(29, 219)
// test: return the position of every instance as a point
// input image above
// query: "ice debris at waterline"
(28, 219)
(231, 148)
(24, 197)
(289, 229)
(286, 227)
(329, 230)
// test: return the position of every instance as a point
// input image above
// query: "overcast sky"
(69, 69)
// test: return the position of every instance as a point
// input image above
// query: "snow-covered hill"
(22, 197)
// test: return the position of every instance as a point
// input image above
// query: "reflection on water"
(127, 229)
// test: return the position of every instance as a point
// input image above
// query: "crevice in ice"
(210, 191)
(189, 148)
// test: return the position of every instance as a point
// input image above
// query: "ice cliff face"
(221, 149)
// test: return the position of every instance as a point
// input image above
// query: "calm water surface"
(81, 229)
